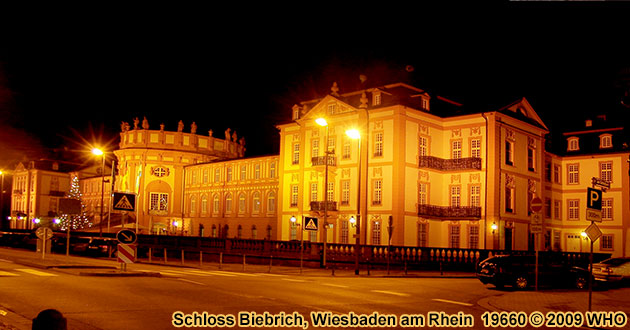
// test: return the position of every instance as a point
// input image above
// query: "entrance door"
(508, 239)
(573, 243)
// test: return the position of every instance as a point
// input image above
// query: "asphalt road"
(149, 302)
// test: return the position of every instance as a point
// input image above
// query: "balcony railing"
(319, 206)
(434, 211)
(321, 160)
(471, 163)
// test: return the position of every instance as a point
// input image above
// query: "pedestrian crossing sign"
(311, 223)
(124, 201)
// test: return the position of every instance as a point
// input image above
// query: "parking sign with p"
(594, 199)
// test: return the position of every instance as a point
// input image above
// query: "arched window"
(214, 231)
(254, 232)
(256, 202)
(241, 203)
(376, 233)
(605, 141)
(239, 232)
(193, 204)
(228, 203)
(269, 232)
(204, 203)
(573, 144)
(226, 231)
(271, 202)
(215, 204)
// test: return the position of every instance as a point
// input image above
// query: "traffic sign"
(535, 229)
(593, 199)
(600, 183)
(126, 236)
(594, 215)
(124, 201)
(536, 219)
(311, 223)
(44, 233)
(593, 232)
(126, 253)
(536, 204)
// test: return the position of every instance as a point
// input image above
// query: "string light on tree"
(78, 221)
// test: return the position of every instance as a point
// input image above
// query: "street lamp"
(2, 198)
(356, 135)
(294, 220)
(323, 122)
(99, 152)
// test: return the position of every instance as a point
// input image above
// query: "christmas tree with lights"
(75, 221)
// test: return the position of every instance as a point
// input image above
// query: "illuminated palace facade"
(445, 176)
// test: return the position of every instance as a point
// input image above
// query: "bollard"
(165, 255)
(200, 258)
(220, 260)
(182, 257)
(150, 255)
(270, 263)
(243, 262)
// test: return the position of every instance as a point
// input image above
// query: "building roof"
(588, 131)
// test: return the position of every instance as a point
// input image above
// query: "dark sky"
(69, 75)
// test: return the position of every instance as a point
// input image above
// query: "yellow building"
(426, 171)
(151, 164)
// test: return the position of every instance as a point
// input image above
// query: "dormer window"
(296, 112)
(605, 141)
(425, 103)
(376, 98)
(588, 123)
(573, 144)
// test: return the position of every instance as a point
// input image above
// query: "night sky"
(69, 76)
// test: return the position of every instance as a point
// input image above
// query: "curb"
(118, 274)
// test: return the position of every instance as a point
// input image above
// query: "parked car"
(612, 270)
(519, 272)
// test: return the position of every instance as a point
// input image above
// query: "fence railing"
(471, 163)
(434, 211)
(288, 252)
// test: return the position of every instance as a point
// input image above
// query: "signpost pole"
(536, 228)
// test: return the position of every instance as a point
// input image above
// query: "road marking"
(292, 280)
(7, 274)
(35, 272)
(234, 273)
(266, 274)
(452, 302)
(204, 273)
(392, 293)
(193, 282)
(336, 285)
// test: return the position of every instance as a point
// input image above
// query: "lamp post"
(323, 122)
(100, 152)
(356, 135)
(2, 201)
(294, 220)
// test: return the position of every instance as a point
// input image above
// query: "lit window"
(205, 175)
(271, 202)
(193, 204)
(607, 242)
(377, 195)
(228, 176)
(294, 196)
(607, 209)
(243, 172)
(456, 149)
(456, 196)
(422, 234)
(204, 203)
(509, 153)
(330, 191)
(315, 149)
(376, 233)
(159, 202)
(475, 148)
(509, 200)
(422, 146)
(313, 192)
(473, 237)
(378, 144)
(347, 148)
(217, 175)
(376, 98)
(605, 141)
(453, 241)
(573, 173)
(548, 208)
(242, 204)
(256, 202)
(531, 159)
(296, 154)
(573, 144)
(605, 171)
(254, 232)
(272, 170)
(475, 196)
(345, 192)
(257, 171)
(293, 231)
(556, 173)
(228, 203)
(574, 209)
(556, 209)
(215, 204)
(422, 194)
(344, 232)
